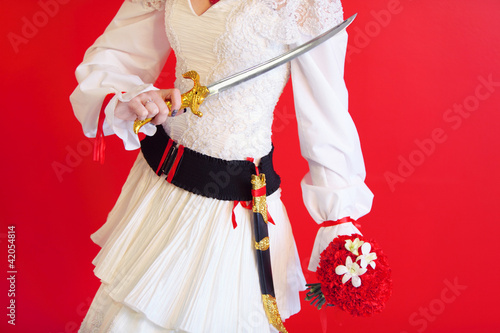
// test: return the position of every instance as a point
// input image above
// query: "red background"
(406, 71)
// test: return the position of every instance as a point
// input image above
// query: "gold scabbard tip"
(272, 313)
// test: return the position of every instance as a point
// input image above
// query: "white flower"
(350, 270)
(366, 257)
(353, 246)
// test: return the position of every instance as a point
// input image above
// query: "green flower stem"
(315, 295)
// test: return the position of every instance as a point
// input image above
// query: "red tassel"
(99, 144)
(99, 149)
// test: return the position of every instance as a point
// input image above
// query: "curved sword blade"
(259, 69)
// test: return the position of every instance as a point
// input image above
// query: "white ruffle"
(172, 262)
(124, 129)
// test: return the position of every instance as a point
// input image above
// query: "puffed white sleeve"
(125, 61)
(334, 187)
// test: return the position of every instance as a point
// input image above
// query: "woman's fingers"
(150, 104)
(152, 108)
(124, 111)
(174, 96)
(144, 106)
(163, 110)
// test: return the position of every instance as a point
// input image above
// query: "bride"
(178, 249)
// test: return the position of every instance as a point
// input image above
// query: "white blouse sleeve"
(124, 61)
(334, 187)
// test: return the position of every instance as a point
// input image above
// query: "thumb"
(172, 95)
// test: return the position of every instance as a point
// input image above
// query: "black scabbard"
(261, 233)
(263, 256)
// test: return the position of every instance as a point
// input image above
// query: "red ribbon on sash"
(249, 205)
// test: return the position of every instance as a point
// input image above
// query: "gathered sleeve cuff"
(125, 61)
(334, 187)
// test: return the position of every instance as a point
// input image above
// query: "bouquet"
(354, 275)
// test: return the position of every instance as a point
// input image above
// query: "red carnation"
(359, 285)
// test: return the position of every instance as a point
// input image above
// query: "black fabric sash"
(205, 175)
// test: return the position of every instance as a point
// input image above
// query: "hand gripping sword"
(195, 97)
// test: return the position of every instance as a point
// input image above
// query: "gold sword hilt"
(191, 99)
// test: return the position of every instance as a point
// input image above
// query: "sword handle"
(191, 99)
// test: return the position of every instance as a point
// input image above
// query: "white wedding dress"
(171, 260)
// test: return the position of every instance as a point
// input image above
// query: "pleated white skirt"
(172, 262)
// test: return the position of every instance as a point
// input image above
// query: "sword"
(195, 97)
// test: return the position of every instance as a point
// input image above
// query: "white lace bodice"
(236, 35)
(236, 123)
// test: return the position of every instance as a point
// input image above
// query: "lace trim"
(299, 17)
(155, 4)
(95, 325)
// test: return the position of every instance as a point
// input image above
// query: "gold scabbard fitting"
(272, 313)
(259, 204)
(263, 245)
